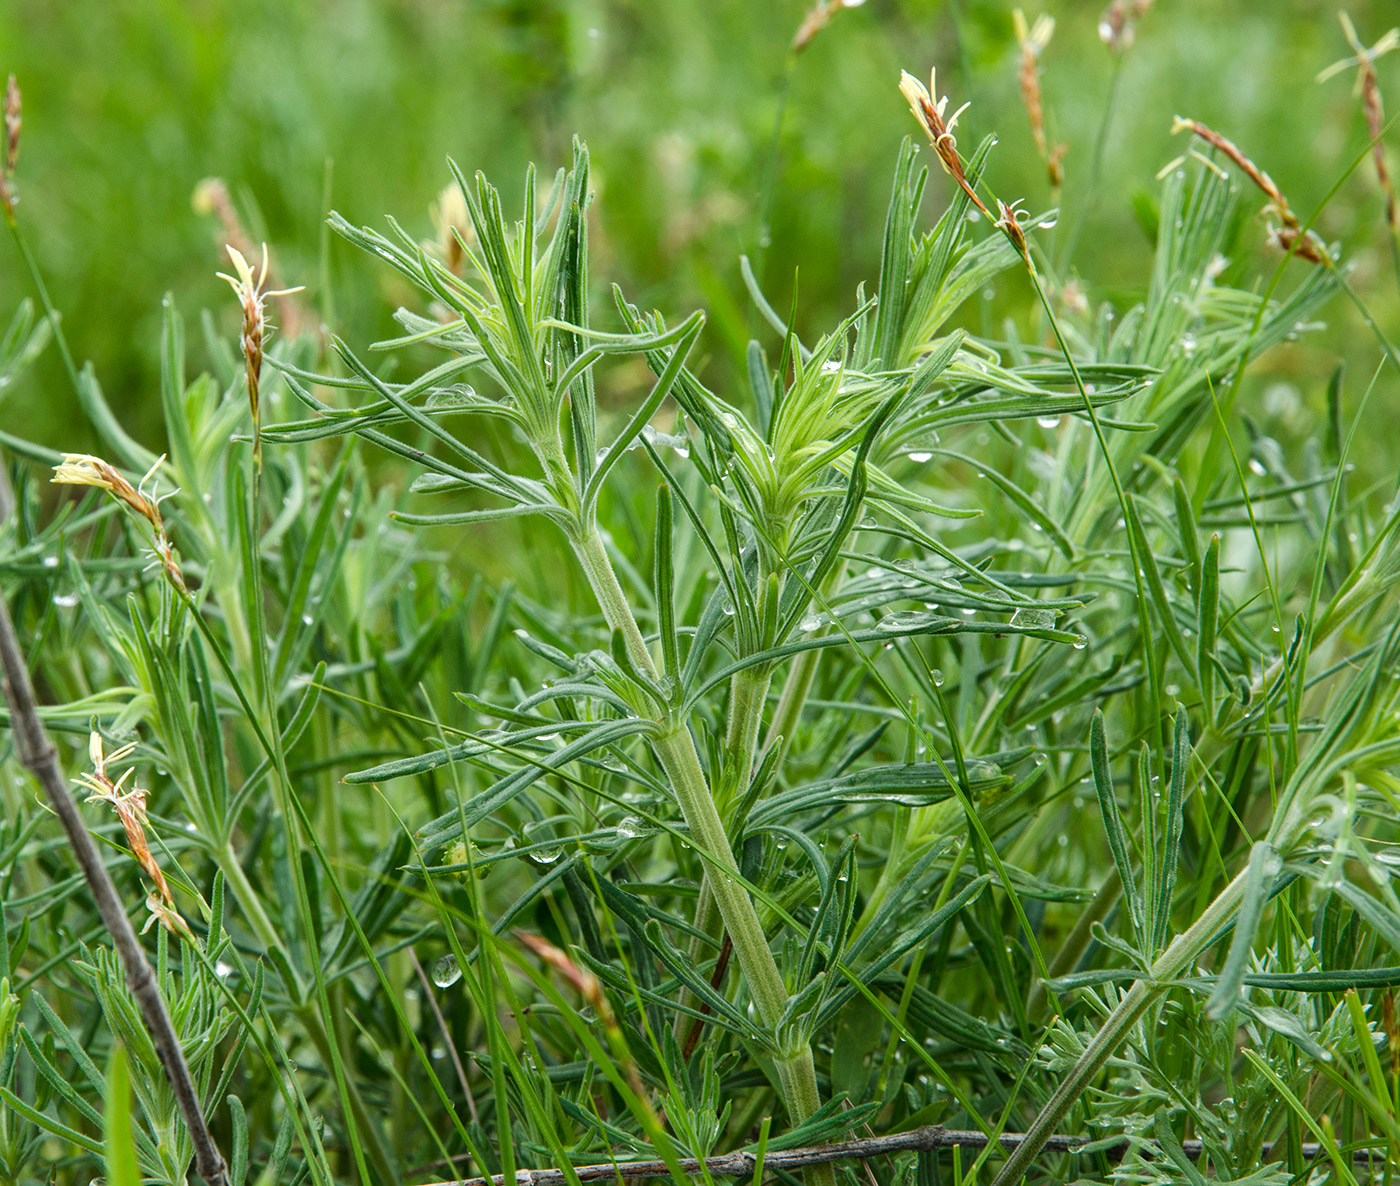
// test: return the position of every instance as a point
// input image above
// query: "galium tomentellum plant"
(784, 492)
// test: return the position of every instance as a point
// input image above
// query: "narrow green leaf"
(1175, 818)
(1264, 865)
(1207, 610)
(1113, 824)
(665, 579)
(1157, 589)
(119, 1147)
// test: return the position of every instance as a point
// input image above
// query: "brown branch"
(721, 966)
(743, 1163)
(37, 755)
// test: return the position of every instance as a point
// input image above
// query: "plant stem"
(675, 750)
(602, 579)
(1138, 1000)
(247, 898)
(792, 699)
(748, 694)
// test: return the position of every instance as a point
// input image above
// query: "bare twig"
(742, 1163)
(37, 755)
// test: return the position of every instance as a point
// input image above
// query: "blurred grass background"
(354, 104)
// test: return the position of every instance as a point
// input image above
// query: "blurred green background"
(354, 104)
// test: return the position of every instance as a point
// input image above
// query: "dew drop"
(65, 600)
(446, 972)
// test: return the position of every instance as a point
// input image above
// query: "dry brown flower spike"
(14, 122)
(83, 469)
(252, 295)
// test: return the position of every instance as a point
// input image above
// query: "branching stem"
(675, 750)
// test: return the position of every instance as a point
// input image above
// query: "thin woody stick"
(740, 1164)
(37, 755)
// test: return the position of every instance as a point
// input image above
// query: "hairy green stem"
(792, 700)
(748, 694)
(675, 750)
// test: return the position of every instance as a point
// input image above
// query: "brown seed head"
(1118, 24)
(1368, 87)
(1033, 40)
(252, 294)
(939, 130)
(817, 19)
(1009, 223)
(130, 806)
(164, 913)
(1288, 232)
(14, 121)
(453, 224)
(211, 196)
(83, 469)
(585, 983)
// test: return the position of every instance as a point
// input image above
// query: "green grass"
(717, 711)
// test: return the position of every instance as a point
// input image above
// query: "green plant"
(476, 756)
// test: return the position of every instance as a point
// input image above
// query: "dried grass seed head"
(930, 112)
(1009, 223)
(1287, 232)
(817, 19)
(1368, 89)
(14, 122)
(452, 224)
(84, 469)
(130, 806)
(252, 293)
(1033, 39)
(1118, 24)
